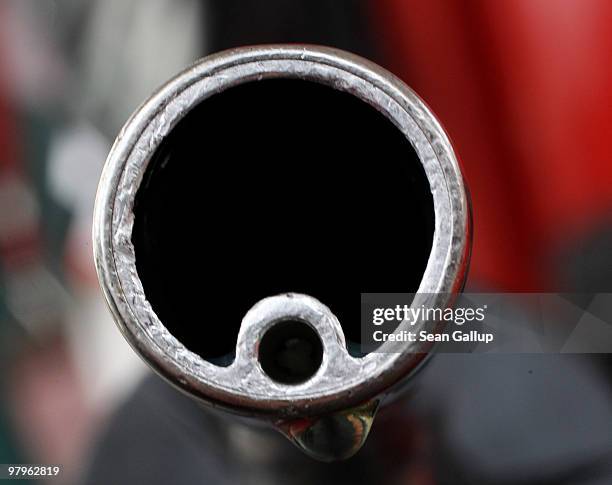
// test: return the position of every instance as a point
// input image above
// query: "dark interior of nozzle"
(290, 352)
(278, 186)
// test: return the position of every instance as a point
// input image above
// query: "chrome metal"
(342, 382)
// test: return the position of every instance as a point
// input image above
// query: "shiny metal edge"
(242, 387)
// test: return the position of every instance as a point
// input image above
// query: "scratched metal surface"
(342, 380)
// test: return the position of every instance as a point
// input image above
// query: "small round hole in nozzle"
(290, 352)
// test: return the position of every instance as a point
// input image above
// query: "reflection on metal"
(331, 437)
(324, 415)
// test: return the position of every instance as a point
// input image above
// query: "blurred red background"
(524, 89)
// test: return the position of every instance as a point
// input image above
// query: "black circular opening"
(275, 186)
(290, 352)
